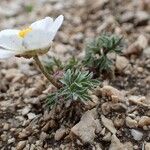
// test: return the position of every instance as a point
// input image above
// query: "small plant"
(97, 51)
(75, 86)
(73, 63)
(53, 64)
(71, 82)
(77, 83)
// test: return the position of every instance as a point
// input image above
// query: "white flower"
(36, 39)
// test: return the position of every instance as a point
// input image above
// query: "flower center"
(24, 32)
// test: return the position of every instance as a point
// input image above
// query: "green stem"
(48, 76)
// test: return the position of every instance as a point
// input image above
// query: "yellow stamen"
(24, 32)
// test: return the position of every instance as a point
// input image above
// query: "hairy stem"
(48, 76)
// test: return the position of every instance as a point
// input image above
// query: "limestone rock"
(31, 92)
(34, 91)
(137, 135)
(107, 137)
(119, 121)
(138, 46)
(25, 110)
(116, 144)
(43, 136)
(97, 4)
(146, 52)
(60, 133)
(131, 123)
(107, 107)
(11, 73)
(142, 41)
(139, 100)
(127, 17)
(31, 116)
(121, 63)
(141, 18)
(6, 126)
(112, 92)
(108, 124)
(128, 146)
(87, 127)
(147, 146)
(144, 121)
(21, 145)
(11, 140)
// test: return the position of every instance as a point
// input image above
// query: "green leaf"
(76, 85)
(52, 64)
(97, 50)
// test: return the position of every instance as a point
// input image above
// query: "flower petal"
(42, 24)
(55, 26)
(9, 39)
(57, 23)
(4, 54)
(37, 39)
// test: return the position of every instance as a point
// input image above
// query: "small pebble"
(31, 116)
(137, 135)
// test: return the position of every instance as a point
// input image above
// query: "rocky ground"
(117, 118)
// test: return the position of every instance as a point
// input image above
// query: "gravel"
(118, 117)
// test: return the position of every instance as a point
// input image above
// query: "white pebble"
(31, 116)
(137, 135)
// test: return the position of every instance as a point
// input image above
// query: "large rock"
(87, 128)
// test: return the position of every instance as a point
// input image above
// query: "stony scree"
(25, 122)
